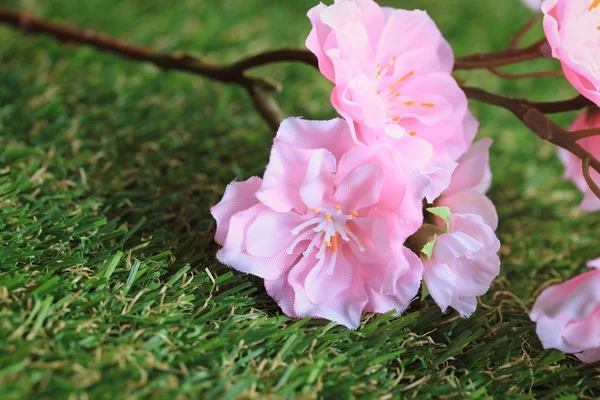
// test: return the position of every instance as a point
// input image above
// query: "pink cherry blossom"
(463, 264)
(464, 260)
(568, 315)
(573, 164)
(326, 226)
(571, 27)
(392, 74)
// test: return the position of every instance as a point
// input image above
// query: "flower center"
(389, 92)
(329, 230)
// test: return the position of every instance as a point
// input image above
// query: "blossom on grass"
(568, 315)
(572, 28)
(573, 164)
(392, 74)
(326, 226)
(464, 260)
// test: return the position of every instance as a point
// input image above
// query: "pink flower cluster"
(353, 214)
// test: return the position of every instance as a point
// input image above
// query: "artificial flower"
(568, 315)
(392, 74)
(464, 259)
(571, 27)
(573, 166)
(326, 226)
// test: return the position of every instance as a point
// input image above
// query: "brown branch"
(530, 75)
(275, 56)
(500, 58)
(535, 120)
(259, 89)
(555, 107)
(586, 133)
(588, 177)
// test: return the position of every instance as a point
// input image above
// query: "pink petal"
(345, 309)
(317, 188)
(235, 254)
(416, 29)
(450, 246)
(394, 180)
(407, 286)
(238, 196)
(473, 171)
(475, 227)
(283, 293)
(475, 276)
(361, 188)
(270, 233)
(320, 287)
(283, 178)
(378, 264)
(576, 297)
(471, 202)
(549, 331)
(441, 283)
(318, 35)
(333, 135)
(584, 333)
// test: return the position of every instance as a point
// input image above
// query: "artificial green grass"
(109, 287)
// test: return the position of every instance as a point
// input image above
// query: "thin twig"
(275, 56)
(258, 88)
(588, 177)
(555, 107)
(500, 58)
(586, 133)
(535, 120)
(523, 31)
(529, 75)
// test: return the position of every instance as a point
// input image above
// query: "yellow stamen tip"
(430, 105)
(378, 92)
(338, 207)
(408, 103)
(595, 4)
(327, 244)
(328, 218)
(354, 213)
(396, 119)
(315, 210)
(412, 133)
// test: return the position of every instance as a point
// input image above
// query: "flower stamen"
(404, 78)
